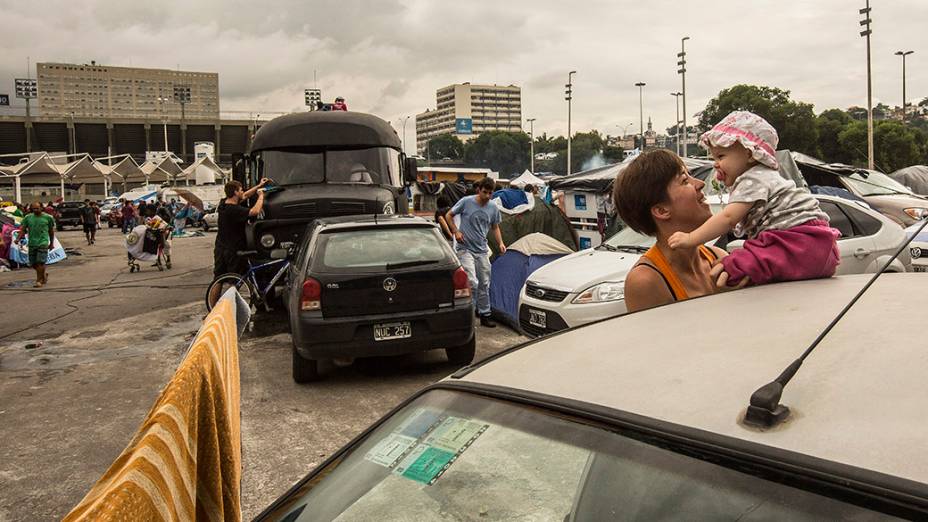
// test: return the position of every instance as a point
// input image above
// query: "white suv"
(589, 285)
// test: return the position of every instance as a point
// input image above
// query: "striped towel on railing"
(185, 461)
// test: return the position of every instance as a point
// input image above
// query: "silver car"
(655, 425)
(589, 285)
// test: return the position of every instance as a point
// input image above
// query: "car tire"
(463, 354)
(304, 370)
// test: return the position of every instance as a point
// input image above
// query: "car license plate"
(920, 268)
(537, 318)
(387, 331)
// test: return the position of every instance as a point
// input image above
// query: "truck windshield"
(372, 166)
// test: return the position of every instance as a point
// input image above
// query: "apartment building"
(103, 91)
(466, 110)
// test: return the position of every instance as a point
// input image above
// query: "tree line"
(834, 135)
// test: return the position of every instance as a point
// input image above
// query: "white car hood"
(578, 271)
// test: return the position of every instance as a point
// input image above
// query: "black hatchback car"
(376, 285)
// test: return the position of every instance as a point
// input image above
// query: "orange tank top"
(662, 267)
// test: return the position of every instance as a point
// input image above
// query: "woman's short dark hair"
(642, 185)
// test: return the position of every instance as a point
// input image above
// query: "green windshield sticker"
(455, 434)
(425, 464)
(389, 450)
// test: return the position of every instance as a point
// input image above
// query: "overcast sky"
(388, 57)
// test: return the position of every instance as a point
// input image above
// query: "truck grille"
(347, 208)
(545, 294)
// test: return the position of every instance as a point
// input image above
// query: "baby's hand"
(680, 240)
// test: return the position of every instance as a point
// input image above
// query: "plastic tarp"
(600, 179)
(19, 252)
(511, 270)
(914, 177)
(542, 217)
(511, 198)
(527, 178)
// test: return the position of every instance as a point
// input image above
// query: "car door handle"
(861, 253)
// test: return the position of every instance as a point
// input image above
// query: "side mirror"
(279, 253)
(410, 170)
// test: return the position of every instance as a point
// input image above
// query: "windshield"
(391, 247)
(456, 456)
(875, 184)
(628, 237)
(376, 165)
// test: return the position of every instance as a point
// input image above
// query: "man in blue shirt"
(478, 215)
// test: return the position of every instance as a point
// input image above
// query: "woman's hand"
(681, 240)
(721, 278)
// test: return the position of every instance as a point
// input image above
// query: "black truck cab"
(323, 164)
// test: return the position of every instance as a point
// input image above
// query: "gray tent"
(914, 177)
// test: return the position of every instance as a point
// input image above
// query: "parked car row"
(589, 285)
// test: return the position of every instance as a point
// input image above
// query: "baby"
(789, 237)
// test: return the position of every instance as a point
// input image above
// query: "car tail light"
(461, 284)
(311, 298)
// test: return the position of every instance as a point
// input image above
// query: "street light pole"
(682, 72)
(164, 121)
(569, 97)
(531, 135)
(676, 125)
(866, 33)
(903, 54)
(405, 119)
(640, 86)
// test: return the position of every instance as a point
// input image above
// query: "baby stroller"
(149, 242)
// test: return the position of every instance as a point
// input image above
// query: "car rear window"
(380, 247)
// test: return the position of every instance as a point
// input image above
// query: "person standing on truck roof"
(339, 104)
(478, 215)
(230, 231)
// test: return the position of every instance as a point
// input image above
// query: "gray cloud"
(389, 56)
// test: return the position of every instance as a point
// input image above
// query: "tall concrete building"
(103, 91)
(465, 110)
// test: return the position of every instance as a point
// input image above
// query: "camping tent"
(527, 178)
(537, 217)
(914, 177)
(511, 270)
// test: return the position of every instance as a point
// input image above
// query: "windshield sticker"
(455, 434)
(425, 464)
(419, 423)
(389, 450)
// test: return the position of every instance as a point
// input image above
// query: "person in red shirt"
(339, 104)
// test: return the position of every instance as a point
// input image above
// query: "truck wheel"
(304, 370)
(463, 354)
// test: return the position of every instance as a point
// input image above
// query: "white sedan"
(589, 285)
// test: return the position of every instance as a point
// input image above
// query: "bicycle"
(247, 284)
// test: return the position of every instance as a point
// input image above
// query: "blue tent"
(511, 270)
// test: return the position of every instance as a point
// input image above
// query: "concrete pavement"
(110, 340)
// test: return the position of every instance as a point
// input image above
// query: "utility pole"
(682, 71)
(405, 119)
(531, 135)
(676, 133)
(866, 33)
(903, 54)
(640, 86)
(569, 93)
(164, 121)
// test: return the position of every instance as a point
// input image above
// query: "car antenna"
(764, 409)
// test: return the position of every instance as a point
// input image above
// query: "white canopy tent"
(40, 169)
(527, 178)
(158, 171)
(204, 171)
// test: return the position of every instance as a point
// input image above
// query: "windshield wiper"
(408, 264)
(607, 246)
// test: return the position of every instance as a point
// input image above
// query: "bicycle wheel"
(223, 283)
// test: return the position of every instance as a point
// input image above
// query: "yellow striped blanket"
(185, 461)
